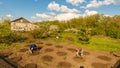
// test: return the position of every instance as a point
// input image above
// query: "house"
(21, 24)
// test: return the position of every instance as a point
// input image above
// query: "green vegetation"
(7, 37)
(102, 43)
(96, 32)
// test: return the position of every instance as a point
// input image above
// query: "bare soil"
(58, 46)
(30, 65)
(64, 65)
(79, 59)
(104, 58)
(61, 53)
(47, 58)
(71, 49)
(99, 65)
(16, 59)
(49, 50)
(50, 54)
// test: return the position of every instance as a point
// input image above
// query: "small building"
(21, 24)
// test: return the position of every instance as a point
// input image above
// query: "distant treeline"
(97, 24)
(82, 27)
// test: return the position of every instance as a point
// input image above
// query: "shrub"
(83, 36)
(39, 33)
(12, 38)
(113, 32)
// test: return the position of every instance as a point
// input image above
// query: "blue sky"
(38, 10)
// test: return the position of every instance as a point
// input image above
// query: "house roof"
(21, 18)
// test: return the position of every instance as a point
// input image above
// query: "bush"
(83, 36)
(97, 31)
(113, 32)
(39, 33)
(12, 38)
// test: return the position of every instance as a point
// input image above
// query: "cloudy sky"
(38, 10)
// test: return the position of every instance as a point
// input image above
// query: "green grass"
(96, 42)
(64, 36)
(4, 46)
(102, 43)
(15, 46)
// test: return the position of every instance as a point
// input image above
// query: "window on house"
(21, 20)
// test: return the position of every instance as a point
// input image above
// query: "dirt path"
(61, 55)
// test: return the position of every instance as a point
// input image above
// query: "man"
(32, 47)
(80, 52)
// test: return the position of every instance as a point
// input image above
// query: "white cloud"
(108, 2)
(94, 4)
(66, 9)
(53, 6)
(62, 8)
(52, 13)
(43, 15)
(66, 16)
(82, 7)
(75, 2)
(9, 16)
(117, 2)
(60, 17)
(98, 3)
(88, 12)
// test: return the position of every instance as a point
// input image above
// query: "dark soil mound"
(3, 64)
(99, 65)
(71, 49)
(79, 59)
(40, 42)
(116, 54)
(16, 59)
(104, 58)
(23, 50)
(49, 44)
(61, 53)
(47, 58)
(59, 46)
(5, 53)
(117, 64)
(81, 66)
(31, 65)
(86, 53)
(49, 50)
(7, 63)
(64, 65)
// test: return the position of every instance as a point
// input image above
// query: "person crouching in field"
(80, 52)
(32, 47)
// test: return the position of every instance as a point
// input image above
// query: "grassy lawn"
(96, 42)
(102, 43)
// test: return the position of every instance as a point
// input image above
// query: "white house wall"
(22, 26)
